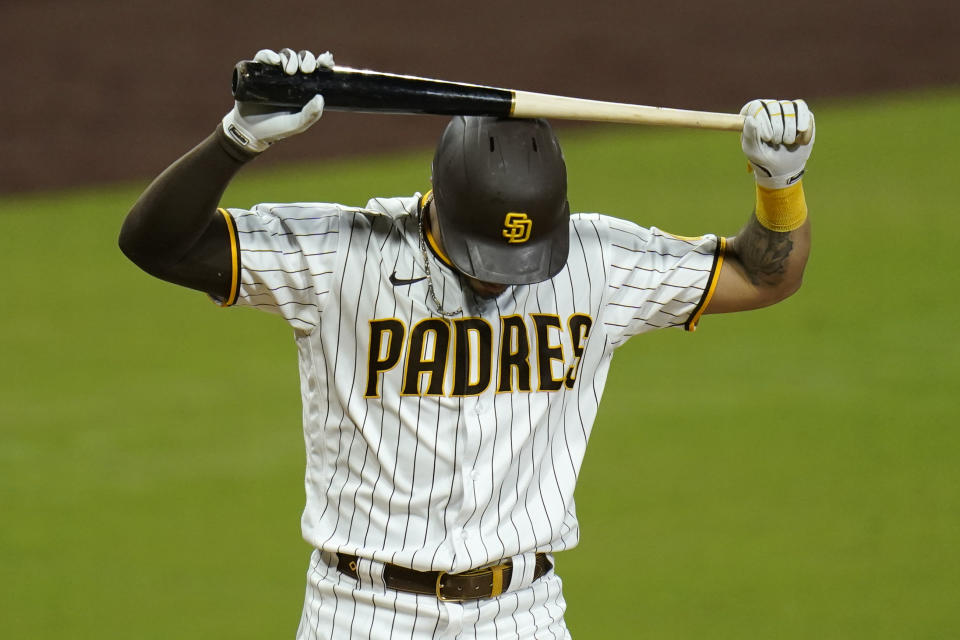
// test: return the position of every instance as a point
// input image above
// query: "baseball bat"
(348, 89)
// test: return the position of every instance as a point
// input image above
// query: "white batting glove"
(255, 127)
(771, 138)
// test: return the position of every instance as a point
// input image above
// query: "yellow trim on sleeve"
(234, 259)
(782, 210)
(711, 287)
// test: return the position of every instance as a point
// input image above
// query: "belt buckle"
(438, 588)
(495, 590)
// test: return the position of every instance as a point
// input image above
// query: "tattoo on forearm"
(764, 253)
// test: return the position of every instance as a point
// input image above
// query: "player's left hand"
(771, 138)
(255, 127)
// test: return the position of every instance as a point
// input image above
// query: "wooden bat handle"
(538, 105)
(529, 105)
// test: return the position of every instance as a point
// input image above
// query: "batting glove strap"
(771, 140)
(238, 132)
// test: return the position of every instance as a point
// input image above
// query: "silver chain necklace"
(426, 268)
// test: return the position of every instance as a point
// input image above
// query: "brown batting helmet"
(500, 189)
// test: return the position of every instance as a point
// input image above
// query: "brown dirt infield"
(107, 91)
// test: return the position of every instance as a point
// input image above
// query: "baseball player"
(453, 348)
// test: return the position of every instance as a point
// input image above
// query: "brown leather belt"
(487, 582)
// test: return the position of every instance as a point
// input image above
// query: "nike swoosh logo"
(400, 282)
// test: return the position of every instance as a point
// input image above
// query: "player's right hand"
(771, 140)
(255, 127)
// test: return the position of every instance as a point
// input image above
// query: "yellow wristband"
(782, 209)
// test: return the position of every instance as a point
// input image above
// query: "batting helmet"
(500, 189)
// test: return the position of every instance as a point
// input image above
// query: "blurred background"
(110, 90)
(791, 472)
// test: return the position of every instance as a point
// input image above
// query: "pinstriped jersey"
(446, 443)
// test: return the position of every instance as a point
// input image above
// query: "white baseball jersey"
(450, 443)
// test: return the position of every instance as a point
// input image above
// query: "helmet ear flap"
(500, 186)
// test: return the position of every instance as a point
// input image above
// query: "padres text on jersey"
(465, 345)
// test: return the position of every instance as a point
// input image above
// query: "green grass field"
(789, 473)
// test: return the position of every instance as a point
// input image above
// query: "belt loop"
(523, 567)
(497, 587)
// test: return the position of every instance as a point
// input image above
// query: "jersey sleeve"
(284, 259)
(658, 280)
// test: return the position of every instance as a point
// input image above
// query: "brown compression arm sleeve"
(174, 231)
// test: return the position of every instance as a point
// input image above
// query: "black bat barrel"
(370, 91)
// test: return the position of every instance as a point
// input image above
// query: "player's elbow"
(132, 242)
(787, 288)
(127, 241)
(140, 247)
(793, 279)
(781, 289)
